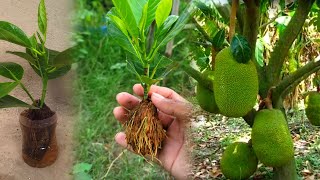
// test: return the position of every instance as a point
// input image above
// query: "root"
(144, 131)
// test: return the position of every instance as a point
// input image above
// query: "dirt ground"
(24, 14)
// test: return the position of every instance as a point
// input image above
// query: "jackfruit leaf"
(163, 11)
(164, 29)
(9, 101)
(6, 88)
(11, 70)
(159, 65)
(137, 8)
(240, 49)
(63, 58)
(11, 33)
(259, 52)
(143, 20)
(33, 41)
(25, 56)
(40, 38)
(218, 39)
(42, 18)
(127, 15)
(149, 81)
(119, 23)
(152, 7)
(204, 8)
(178, 26)
(132, 68)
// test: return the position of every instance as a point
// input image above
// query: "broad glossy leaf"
(33, 41)
(164, 29)
(119, 23)
(58, 72)
(63, 58)
(25, 56)
(218, 39)
(259, 52)
(137, 7)
(9, 101)
(11, 70)
(178, 26)
(240, 49)
(11, 33)
(149, 81)
(131, 67)
(124, 10)
(163, 11)
(42, 18)
(152, 7)
(143, 20)
(7, 87)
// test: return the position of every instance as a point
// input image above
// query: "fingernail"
(156, 95)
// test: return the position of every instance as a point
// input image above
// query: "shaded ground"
(24, 15)
(213, 133)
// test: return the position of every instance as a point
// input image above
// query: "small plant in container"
(142, 28)
(38, 122)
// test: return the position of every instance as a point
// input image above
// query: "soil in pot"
(39, 146)
(144, 131)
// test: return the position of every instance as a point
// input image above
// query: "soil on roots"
(144, 131)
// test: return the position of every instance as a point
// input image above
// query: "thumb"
(178, 109)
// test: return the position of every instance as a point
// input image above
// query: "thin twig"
(113, 163)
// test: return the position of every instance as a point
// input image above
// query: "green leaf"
(143, 20)
(9, 101)
(259, 52)
(7, 87)
(163, 11)
(63, 58)
(218, 39)
(124, 10)
(164, 29)
(33, 41)
(178, 26)
(11, 70)
(240, 49)
(149, 81)
(120, 24)
(25, 56)
(11, 33)
(42, 18)
(137, 7)
(81, 167)
(152, 7)
(131, 67)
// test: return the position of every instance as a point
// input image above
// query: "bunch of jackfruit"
(235, 86)
(312, 103)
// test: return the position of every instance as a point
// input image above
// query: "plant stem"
(28, 93)
(234, 7)
(44, 91)
(197, 76)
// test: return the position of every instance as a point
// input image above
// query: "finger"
(121, 114)
(178, 109)
(121, 139)
(127, 100)
(165, 119)
(138, 90)
(166, 92)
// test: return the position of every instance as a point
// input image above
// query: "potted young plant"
(143, 28)
(38, 122)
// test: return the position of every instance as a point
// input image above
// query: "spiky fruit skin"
(205, 96)
(235, 85)
(312, 103)
(271, 139)
(144, 131)
(238, 161)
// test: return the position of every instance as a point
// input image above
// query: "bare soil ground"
(24, 14)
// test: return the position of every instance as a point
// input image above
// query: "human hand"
(174, 112)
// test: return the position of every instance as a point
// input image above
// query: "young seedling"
(142, 28)
(47, 63)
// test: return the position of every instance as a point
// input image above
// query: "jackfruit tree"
(252, 80)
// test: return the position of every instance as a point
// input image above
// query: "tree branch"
(291, 81)
(197, 76)
(283, 45)
(234, 8)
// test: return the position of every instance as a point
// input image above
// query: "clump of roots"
(144, 131)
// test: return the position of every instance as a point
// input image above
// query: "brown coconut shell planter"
(39, 143)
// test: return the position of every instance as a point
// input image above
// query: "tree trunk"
(287, 172)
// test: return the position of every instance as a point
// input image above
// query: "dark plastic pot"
(39, 143)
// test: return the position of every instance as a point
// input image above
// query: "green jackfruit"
(238, 161)
(235, 85)
(312, 103)
(205, 96)
(271, 139)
